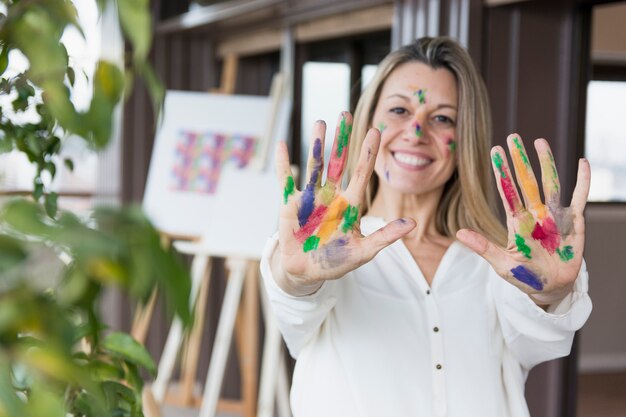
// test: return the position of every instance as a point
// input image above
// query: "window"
(605, 141)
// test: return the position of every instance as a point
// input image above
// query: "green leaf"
(4, 59)
(50, 203)
(127, 348)
(69, 164)
(134, 16)
(71, 75)
(103, 371)
(12, 253)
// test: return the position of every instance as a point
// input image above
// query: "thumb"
(482, 246)
(385, 236)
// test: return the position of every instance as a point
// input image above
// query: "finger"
(549, 174)
(385, 236)
(365, 166)
(339, 153)
(504, 180)
(525, 175)
(493, 254)
(315, 162)
(583, 182)
(283, 171)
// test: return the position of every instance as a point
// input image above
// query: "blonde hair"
(468, 197)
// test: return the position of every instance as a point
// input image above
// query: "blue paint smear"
(307, 201)
(527, 277)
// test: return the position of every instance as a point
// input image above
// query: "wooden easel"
(236, 315)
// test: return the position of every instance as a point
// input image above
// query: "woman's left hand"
(545, 241)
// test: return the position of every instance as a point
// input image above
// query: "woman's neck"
(390, 205)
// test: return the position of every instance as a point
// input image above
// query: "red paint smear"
(548, 234)
(509, 192)
(335, 166)
(311, 225)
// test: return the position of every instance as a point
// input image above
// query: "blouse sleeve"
(299, 318)
(534, 335)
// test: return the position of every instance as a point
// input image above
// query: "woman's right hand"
(319, 229)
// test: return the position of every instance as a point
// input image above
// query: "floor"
(602, 395)
(599, 395)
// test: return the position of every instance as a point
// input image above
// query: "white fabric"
(365, 345)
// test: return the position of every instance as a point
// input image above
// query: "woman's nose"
(415, 132)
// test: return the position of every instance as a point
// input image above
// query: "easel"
(235, 315)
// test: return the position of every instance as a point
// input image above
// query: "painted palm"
(320, 237)
(545, 240)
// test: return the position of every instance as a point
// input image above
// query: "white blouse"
(381, 342)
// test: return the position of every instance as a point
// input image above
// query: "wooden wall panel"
(535, 63)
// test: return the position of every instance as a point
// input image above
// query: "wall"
(603, 339)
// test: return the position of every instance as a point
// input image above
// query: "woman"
(424, 306)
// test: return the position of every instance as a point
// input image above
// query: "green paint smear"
(311, 243)
(555, 175)
(521, 151)
(381, 127)
(452, 146)
(522, 246)
(344, 134)
(497, 160)
(289, 188)
(349, 218)
(566, 254)
(421, 95)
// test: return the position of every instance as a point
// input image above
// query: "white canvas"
(178, 199)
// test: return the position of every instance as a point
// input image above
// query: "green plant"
(56, 357)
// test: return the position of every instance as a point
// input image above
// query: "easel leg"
(274, 383)
(175, 336)
(223, 338)
(192, 351)
(248, 340)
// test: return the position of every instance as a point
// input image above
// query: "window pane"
(605, 141)
(325, 94)
(367, 73)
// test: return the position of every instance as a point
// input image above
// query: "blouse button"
(438, 366)
(436, 329)
(427, 292)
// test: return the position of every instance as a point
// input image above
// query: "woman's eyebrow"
(397, 95)
(449, 106)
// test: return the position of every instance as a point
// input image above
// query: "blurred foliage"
(56, 356)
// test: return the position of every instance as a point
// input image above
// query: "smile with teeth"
(411, 160)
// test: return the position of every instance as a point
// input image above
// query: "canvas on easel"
(201, 135)
(235, 211)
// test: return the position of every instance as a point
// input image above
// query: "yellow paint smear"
(331, 221)
(529, 186)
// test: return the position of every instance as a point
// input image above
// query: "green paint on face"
(566, 254)
(520, 148)
(522, 246)
(350, 216)
(344, 134)
(452, 145)
(381, 127)
(497, 160)
(421, 96)
(289, 188)
(311, 243)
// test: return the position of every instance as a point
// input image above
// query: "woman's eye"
(398, 110)
(444, 119)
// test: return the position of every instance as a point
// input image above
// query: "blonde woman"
(402, 295)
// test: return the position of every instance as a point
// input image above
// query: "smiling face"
(417, 114)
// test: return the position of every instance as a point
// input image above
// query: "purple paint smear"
(527, 277)
(307, 201)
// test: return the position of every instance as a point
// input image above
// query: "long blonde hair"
(468, 196)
